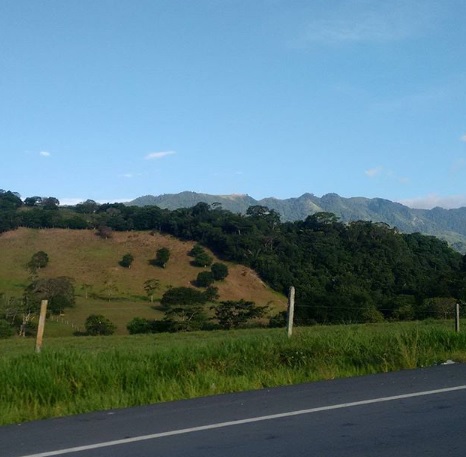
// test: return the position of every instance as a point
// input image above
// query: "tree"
(162, 256)
(104, 232)
(86, 288)
(204, 279)
(18, 313)
(184, 308)
(219, 271)
(33, 201)
(202, 260)
(50, 203)
(6, 330)
(58, 291)
(139, 325)
(10, 200)
(97, 324)
(126, 260)
(233, 314)
(110, 288)
(38, 260)
(196, 250)
(211, 294)
(87, 207)
(150, 286)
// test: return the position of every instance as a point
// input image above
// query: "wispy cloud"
(130, 175)
(72, 201)
(158, 155)
(457, 166)
(372, 172)
(386, 174)
(463, 138)
(45, 154)
(432, 200)
(357, 21)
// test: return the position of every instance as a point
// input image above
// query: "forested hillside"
(447, 224)
(342, 272)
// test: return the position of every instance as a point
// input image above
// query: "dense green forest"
(343, 272)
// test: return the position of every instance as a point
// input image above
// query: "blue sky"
(111, 100)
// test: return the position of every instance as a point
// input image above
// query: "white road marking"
(241, 421)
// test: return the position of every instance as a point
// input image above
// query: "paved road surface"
(409, 413)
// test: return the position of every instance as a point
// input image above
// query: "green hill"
(112, 290)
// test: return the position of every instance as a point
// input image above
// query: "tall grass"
(76, 375)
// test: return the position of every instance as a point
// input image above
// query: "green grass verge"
(76, 375)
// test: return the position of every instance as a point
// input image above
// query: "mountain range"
(447, 224)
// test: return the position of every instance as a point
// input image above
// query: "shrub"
(126, 261)
(196, 250)
(161, 258)
(96, 324)
(38, 260)
(219, 271)
(5, 329)
(204, 279)
(139, 325)
(202, 260)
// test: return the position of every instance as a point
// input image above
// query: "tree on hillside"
(161, 257)
(196, 250)
(33, 201)
(10, 200)
(204, 279)
(110, 288)
(184, 308)
(104, 232)
(38, 260)
(87, 207)
(202, 260)
(58, 291)
(233, 314)
(86, 288)
(150, 286)
(97, 324)
(126, 260)
(50, 203)
(219, 271)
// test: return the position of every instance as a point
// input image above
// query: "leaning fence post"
(40, 327)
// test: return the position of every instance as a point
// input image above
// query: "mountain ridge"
(447, 224)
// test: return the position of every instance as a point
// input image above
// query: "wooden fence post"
(290, 311)
(40, 327)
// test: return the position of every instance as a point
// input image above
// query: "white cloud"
(463, 138)
(45, 154)
(432, 200)
(372, 172)
(72, 201)
(367, 21)
(158, 155)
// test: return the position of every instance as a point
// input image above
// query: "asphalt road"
(409, 413)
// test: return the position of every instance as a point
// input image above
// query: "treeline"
(354, 272)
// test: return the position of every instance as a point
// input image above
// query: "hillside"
(447, 224)
(112, 290)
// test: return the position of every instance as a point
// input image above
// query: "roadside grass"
(76, 375)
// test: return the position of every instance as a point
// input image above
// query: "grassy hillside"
(112, 290)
